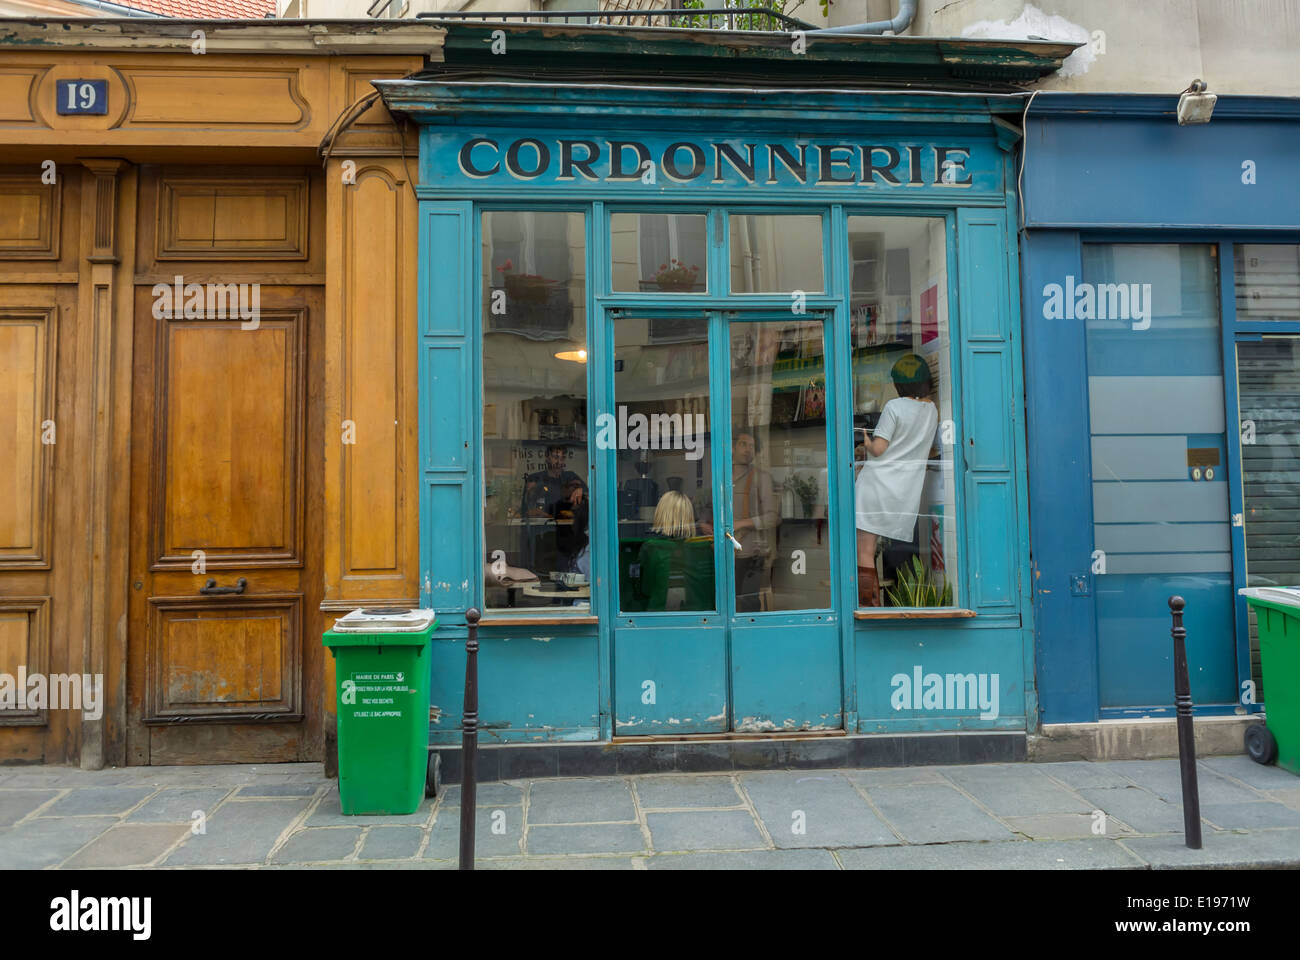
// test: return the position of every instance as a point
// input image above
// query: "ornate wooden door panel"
(28, 346)
(224, 654)
(39, 459)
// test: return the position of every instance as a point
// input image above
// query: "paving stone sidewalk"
(990, 816)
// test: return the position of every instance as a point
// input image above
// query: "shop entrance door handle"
(211, 589)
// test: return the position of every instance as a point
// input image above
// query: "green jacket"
(669, 563)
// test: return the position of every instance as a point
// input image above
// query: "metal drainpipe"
(906, 11)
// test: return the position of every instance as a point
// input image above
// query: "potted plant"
(805, 489)
(914, 587)
(676, 277)
(525, 287)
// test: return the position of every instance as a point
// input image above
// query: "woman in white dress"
(888, 489)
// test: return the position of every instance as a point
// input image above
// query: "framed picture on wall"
(930, 313)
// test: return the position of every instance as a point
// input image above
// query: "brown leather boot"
(868, 587)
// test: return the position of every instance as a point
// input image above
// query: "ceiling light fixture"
(577, 356)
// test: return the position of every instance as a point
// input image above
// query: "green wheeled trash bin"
(381, 671)
(1277, 611)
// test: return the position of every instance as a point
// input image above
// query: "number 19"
(86, 93)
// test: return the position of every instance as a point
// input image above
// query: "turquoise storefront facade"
(597, 672)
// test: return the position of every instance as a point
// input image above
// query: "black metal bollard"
(1186, 732)
(469, 744)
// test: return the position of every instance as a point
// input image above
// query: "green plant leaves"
(914, 587)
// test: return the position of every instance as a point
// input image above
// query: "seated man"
(545, 489)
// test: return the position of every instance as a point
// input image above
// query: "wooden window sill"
(531, 621)
(876, 613)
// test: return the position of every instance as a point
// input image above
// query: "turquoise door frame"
(786, 666)
(670, 671)
(723, 670)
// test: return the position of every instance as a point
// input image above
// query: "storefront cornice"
(1056, 104)
(320, 37)
(436, 101)
(933, 60)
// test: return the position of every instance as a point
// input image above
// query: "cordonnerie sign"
(492, 159)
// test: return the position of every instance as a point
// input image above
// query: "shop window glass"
(778, 465)
(537, 494)
(903, 425)
(1267, 281)
(664, 475)
(776, 253)
(1150, 313)
(659, 252)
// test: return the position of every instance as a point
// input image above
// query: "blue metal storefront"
(493, 157)
(1159, 282)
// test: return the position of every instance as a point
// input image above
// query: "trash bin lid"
(1287, 596)
(362, 620)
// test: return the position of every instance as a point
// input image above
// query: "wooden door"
(37, 408)
(224, 655)
(45, 480)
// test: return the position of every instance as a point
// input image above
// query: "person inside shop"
(557, 495)
(756, 517)
(675, 565)
(888, 488)
(545, 490)
(572, 543)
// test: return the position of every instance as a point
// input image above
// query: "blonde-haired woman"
(676, 566)
(674, 517)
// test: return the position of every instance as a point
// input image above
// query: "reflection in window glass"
(1267, 281)
(659, 252)
(536, 497)
(1268, 396)
(1159, 467)
(903, 439)
(776, 253)
(778, 466)
(665, 522)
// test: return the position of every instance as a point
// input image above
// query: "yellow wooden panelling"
(256, 218)
(28, 433)
(29, 217)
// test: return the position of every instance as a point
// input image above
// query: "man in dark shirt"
(549, 490)
(560, 495)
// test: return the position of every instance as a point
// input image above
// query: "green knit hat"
(911, 368)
